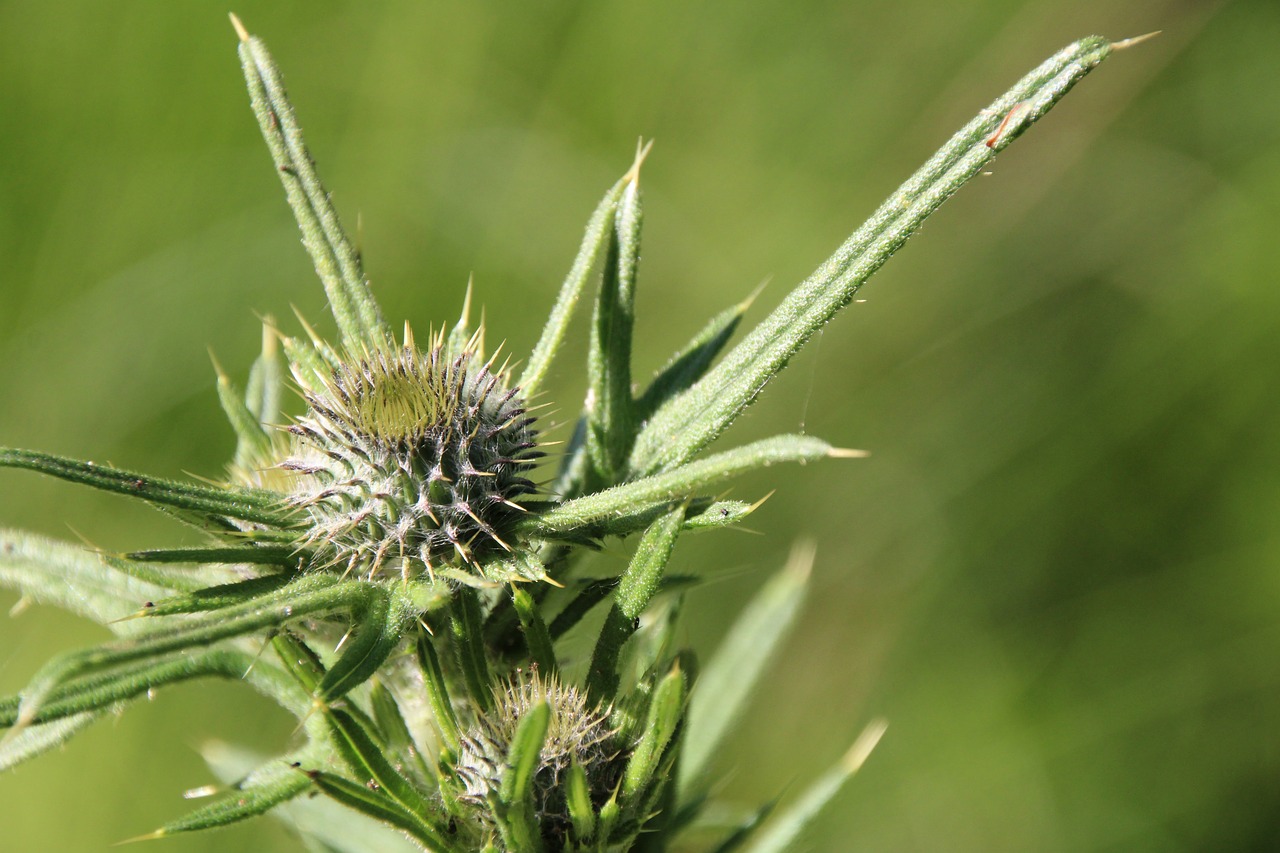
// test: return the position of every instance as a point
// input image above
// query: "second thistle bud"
(412, 458)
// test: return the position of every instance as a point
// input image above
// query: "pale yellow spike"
(244, 36)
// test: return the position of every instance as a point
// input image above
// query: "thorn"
(847, 453)
(1136, 40)
(751, 297)
(642, 151)
(150, 836)
(217, 369)
(20, 606)
(200, 793)
(755, 506)
(862, 747)
(240, 31)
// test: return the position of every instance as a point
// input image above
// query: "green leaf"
(524, 753)
(253, 444)
(633, 500)
(578, 800)
(310, 595)
(216, 597)
(742, 833)
(599, 227)
(467, 626)
(299, 659)
(281, 784)
(320, 821)
(245, 504)
(691, 361)
(437, 691)
(266, 555)
(727, 683)
(386, 712)
(97, 691)
(378, 619)
(380, 807)
(73, 578)
(665, 712)
(635, 589)
(39, 739)
(368, 762)
(266, 380)
(608, 410)
(535, 631)
(780, 834)
(336, 260)
(692, 420)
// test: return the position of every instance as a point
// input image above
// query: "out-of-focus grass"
(1057, 574)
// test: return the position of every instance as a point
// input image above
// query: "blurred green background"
(1056, 575)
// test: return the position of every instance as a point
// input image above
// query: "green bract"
(412, 584)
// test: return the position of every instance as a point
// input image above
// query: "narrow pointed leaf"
(378, 624)
(73, 578)
(315, 594)
(780, 834)
(728, 681)
(368, 762)
(636, 588)
(635, 498)
(379, 807)
(578, 800)
(665, 712)
(266, 380)
(691, 361)
(253, 444)
(247, 505)
(599, 226)
(335, 259)
(514, 805)
(467, 626)
(250, 801)
(104, 690)
(690, 421)
(535, 631)
(437, 691)
(217, 597)
(299, 659)
(742, 833)
(39, 739)
(323, 823)
(609, 415)
(266, 555)
(523, 755)
(386, 713)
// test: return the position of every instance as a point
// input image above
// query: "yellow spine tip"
(239, 27)
(862, 747)
(642, 151)
(1136, 40)
(847, 453)
(150, 836)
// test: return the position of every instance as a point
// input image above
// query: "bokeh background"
(1058, 575)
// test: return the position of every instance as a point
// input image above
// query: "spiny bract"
(413, 458)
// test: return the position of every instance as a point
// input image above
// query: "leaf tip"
(642, 151)
(238, 25)
(863, 745)
(149, 836)
(1136, 40)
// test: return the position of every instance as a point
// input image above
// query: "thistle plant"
(397, 562)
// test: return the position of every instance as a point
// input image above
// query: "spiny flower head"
(412, 458)
(578, 733)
